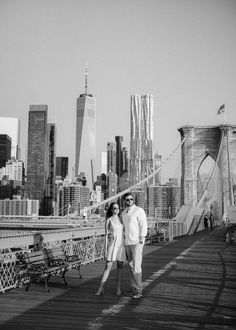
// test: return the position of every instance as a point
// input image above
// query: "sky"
(183, 52)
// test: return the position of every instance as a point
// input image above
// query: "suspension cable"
(115, 197)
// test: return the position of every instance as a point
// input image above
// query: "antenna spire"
(86, 79)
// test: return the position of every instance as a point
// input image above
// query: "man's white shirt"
(135, 223)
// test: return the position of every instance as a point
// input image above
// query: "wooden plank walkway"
(189, 284)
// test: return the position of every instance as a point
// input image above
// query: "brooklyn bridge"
(189, 274)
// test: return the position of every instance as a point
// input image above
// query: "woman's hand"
(110, 238)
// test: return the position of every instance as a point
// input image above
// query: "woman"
(114, 247)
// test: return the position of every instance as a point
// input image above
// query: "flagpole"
(224, 118)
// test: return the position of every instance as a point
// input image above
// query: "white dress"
(115, 245)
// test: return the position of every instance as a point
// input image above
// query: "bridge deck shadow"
(195, 290)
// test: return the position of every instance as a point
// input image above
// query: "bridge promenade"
(189, 283)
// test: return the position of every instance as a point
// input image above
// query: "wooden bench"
(49, 261)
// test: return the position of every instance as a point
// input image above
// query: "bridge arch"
(203, 172)
(218, 142)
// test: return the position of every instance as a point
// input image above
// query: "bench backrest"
(55, 254)
(36, 258)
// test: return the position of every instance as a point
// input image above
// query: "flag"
(221, 109)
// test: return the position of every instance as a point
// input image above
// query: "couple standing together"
(125, 236)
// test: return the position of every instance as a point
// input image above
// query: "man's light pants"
(135, 256)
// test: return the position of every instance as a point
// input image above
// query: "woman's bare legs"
(104, 278)
(119, 277)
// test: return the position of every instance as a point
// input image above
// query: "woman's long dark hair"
(109, 211)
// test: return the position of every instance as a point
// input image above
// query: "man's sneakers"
(134, 293)
(137, 295)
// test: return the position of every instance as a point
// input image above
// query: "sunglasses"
(128, 199)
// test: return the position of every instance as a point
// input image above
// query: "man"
(135, 225)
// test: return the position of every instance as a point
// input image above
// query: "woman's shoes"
(100, 292)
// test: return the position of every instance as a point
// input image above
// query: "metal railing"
(74, 242)
(172, 229)
(12, 275)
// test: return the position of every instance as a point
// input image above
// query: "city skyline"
(183, 53)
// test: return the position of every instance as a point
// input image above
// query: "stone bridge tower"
(201, 142)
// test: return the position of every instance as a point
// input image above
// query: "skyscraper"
(119, 156)
(85, 135)
(141, 139)
(157, 164)
(11, 127)
(37, 160)
(72, 198)
(125, 160)
(104, 162)
(121, 161)
(62, 167)
(51, 173)
(5, 149)
(111, 184)
(111, 157)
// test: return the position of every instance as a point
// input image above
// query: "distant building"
(37, 160)
(51, 173)
(119, 156)
(72, 198)
(62, 167)
(14, 170)
(2, 172)
(85, 136)
(125, 160)
(157, 164)
(111, 157)
(5, 149)
(124, 182)
(164, 201)
(141, 139)
(7, 189)
(11, 127)
(99, 194)
(111, 184)
(121, 161)
(19, 207)
(101, 185)
(139, 196)
(104, 162)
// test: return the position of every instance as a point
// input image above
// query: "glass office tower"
(85, 136)
(141, 139)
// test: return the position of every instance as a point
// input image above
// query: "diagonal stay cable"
(115, 197)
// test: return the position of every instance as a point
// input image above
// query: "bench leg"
(63, 276)
(28, 285)
(46, 282)
(78, 268)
